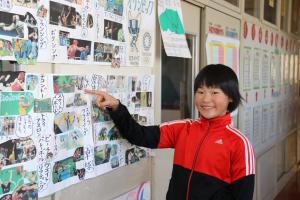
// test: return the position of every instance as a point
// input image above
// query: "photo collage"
(116, 33)
(50, 122)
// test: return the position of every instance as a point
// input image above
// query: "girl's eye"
(200, 92)
(214, 92)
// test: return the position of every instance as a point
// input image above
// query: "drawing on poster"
(16, 103)
(17, 151)
(12, 81)
(67, 121)
(134, 23)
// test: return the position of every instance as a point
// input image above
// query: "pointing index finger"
(94, 92)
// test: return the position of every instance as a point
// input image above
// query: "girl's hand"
(104, 100)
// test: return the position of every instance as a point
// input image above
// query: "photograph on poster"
(67, 121)
(116, 83)
(42, 105)
(79, 49)
(31, 82)
(11, 179)
(5, 48)
(26, 3)
(64, 38)
(102, 154)
(64, 83)
(42, 11)
(99, 115)
(11, 24)
(134, 22)
(62, 15)
(103, 52)
(114, 6)
(114, 162)
(112, 30)
(78, 2)
(26, 51)
(16, 103)
(76, 100)
(115, 62)
(12, 81)
(63, 170)
(69, 140)
(17, 151)
(133, 155)
(7, 126)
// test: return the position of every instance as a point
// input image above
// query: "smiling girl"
(212, 160)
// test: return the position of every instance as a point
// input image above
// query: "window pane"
(295, 17)
(284, 15)
(176, 91)
(252, 7)
(270, 11)
(233, 2)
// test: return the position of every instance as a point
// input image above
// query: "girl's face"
(211, 102)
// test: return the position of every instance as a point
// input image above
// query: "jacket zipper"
(194, 161)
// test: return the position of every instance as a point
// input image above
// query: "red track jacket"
(212, 160)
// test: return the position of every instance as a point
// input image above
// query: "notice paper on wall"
(172, 29)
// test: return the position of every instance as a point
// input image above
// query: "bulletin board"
(52, 135)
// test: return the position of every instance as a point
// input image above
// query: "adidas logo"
(219, 141)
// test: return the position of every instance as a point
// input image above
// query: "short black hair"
(223, 77)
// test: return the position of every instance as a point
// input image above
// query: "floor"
(292, 190)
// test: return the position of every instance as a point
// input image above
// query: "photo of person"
(16, 103)
(115, 62)
(78, 154)
(5, 48)
(64, 39)
(114, 6)
(11, 179)
(63, 170)
(62, 15)
(102, 154)
(42, 105)
(64, 84)
(26, 3)
(69, 140)
(12, 81)
(31, 82)
(111, 29)
(17, 151)
(42, 11)
(7, 127)
(79, 2)
(114, 162)
(66, 121)
(79, 49)
(26, 50)
(11, 24)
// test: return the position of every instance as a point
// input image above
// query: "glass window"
(284, 15)
(252, 7)
(270, 11)
(233, 2)
(295, 17)
(177, 82)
